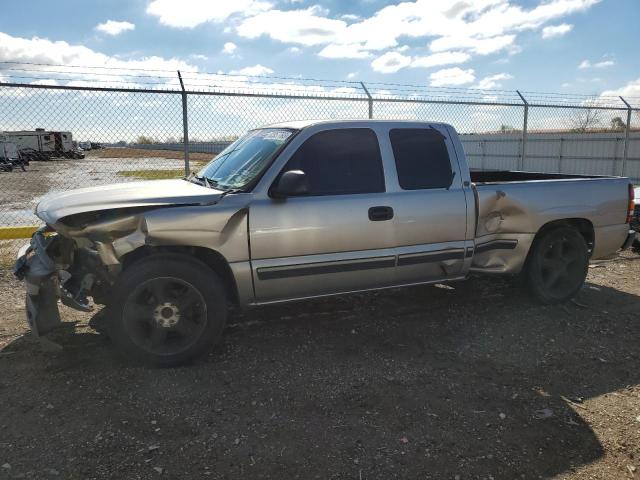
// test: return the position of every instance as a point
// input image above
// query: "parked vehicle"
(84, 145)
(308, 209)
(47, 143)
(76, 154)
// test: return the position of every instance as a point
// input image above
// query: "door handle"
(380, 214)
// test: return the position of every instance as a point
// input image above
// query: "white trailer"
(64, 142)
(8, 149)
(39, 140)
(46, 142)
(9, 155)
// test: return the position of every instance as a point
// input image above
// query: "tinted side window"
(421, 158)
(340, 162)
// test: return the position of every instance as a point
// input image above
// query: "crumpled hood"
(124, 195)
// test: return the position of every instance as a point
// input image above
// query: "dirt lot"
(21, 191)
(468, 381)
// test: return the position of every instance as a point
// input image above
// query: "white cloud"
(256, 70)
(390, 62)
(352, 75)
(198, 56)
(483, 26)
(42, 50)
(343, 51)
(191, 13)
(602, 64)
(442, 58)
(229, 48)
(493, 81)
(295, 50)
(451, 76)
(556, 30)
(112, 27)
(350, 17)
(481, 46)
(631, 89)
(303, 27)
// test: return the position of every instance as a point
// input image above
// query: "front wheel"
(167, 309)
(558, 265)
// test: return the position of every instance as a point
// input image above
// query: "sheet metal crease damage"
(80, 256)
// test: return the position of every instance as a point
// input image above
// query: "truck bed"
(507, 176)
(512, 206)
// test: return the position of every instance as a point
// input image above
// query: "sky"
(573, 46)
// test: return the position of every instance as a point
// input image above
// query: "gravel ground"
(471, 380)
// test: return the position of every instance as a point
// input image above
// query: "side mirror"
(290, 184)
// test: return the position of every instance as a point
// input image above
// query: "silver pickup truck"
(307, 209)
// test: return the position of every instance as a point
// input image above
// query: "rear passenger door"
(429, 200)
(331, 239)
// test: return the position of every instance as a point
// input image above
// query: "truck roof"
(300, 124)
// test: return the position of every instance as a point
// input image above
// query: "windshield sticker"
(278, 135)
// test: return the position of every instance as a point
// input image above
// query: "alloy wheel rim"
(165, 315)
(561, 266)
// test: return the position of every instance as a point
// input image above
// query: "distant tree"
(508, 129)
(143, 139)
(170, 139)
(617, 124)
(587, 118)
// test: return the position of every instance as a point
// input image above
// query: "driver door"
(336, 238)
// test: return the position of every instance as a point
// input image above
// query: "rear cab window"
(340, 162)
(421, 157)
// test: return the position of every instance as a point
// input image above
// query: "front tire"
(167, 309)
(558, 265)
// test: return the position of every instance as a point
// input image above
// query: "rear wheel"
(558, 265)
(167, 309)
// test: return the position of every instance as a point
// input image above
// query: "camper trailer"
(46, 143)
(8, 149)
(9, 155)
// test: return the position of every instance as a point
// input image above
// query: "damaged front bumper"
(46, 282)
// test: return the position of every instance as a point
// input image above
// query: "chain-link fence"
(87, 133)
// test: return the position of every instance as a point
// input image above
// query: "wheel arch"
(582, 225)
(212, 259)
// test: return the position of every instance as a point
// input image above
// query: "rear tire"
(558, 265)
(167, 309)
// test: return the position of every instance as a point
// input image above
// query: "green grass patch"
(153, 174)
(160, 174)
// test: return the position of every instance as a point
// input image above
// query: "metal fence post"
(185, 127)
(523, 154)
(370, 99)
(625, 151)
(560, 154)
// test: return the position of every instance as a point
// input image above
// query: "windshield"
(245, 159)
